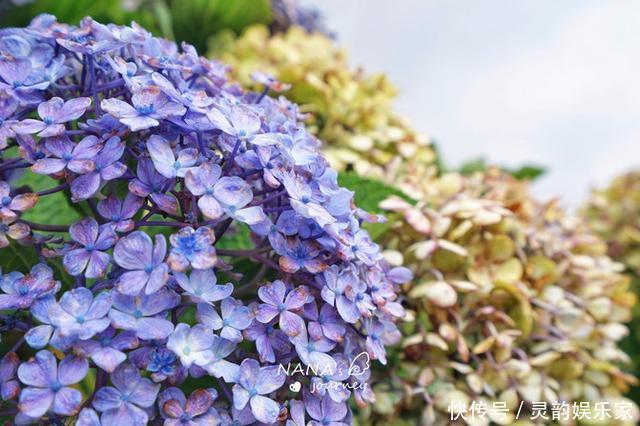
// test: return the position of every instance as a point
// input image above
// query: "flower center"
(186, 350)
(148, 269)
(137, 313)
(66, 156)
(23, 289)
(6, 200)
(253, 392)
(48, 121)
(146, 109)
(56, 386)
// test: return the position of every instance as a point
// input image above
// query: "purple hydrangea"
(214, 244)
(48, 385)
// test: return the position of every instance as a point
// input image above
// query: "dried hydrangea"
(513, 301)
(214, 246)
(614, 214)
(350, 110)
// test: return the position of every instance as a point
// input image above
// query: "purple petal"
(162, 156)
(218, 119)
(73, 109)
(51, 108)
(107, 398)
(297, 298)
(273, 293)
(264, 409)
(35, 402)
(85, 231)
(265, 313)
(204, 259)
(81, 167)
(40, 371)
(140, 123)
(88, 417)
(347, 309)
(72, 369)
(113, 171)
(87, 148)
(291, 323)
(165, 202)
(97, 266)
(269, 379)
(48, 166)
(154, 328)
(240, 397)
(250, 215)
(108, 358)
(38, 337)
(28, 126)
(85, 186)
(144, 393)
(210, 207)
(207, 315)
(134, 252)
(157, 278)
(265, 350)
(118, 108)
(243, 119)
(249, 370)
(233, 191)
(77, 301)
(67, 401)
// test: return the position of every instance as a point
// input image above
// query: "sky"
(532, 81)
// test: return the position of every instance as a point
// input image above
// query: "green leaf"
(528, 172)
(18, 258)
(369, 193)
(472, 166)
(52, 209)
(197, 20)
(236, 238)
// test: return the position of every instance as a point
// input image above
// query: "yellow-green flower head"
(347, 108)
(513, 300)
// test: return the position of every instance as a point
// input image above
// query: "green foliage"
(53, 209)
(369, 193)
(528, 172)
(72, 11)
(236, 238)
(193, 21)
(18, 258)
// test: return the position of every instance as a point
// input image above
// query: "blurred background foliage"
(193, 21)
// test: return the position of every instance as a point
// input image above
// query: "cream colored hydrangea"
(513, 300)
(350, 110)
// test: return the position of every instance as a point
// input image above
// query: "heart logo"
(295, 387)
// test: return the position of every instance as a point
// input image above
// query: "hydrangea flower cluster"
(613, 212)
(216, 245)
(513, 301)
